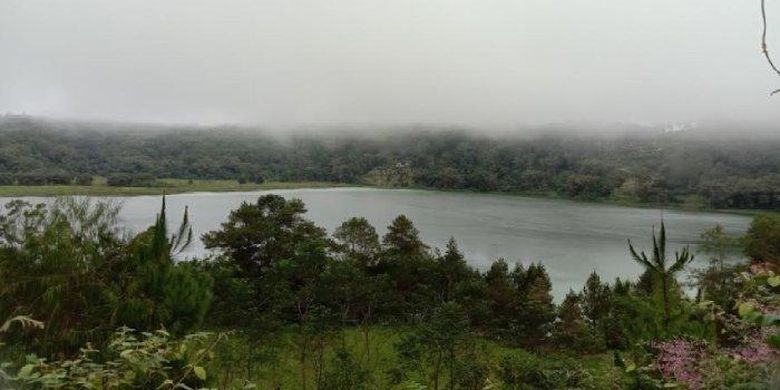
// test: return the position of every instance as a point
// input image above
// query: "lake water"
(570, 238)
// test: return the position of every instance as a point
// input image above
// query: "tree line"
(678, 167)
(69, 266)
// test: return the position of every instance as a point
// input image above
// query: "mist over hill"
(714, 167)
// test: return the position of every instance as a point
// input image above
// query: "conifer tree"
(661, 269)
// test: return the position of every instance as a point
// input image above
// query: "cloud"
(474, 63)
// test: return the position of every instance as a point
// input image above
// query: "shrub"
(472, 370)
(84, 180)
(42, 177)
(130, 180)
(525, 370)
(68, 262)
(6, 179)
(762, 241)
(30, 179)
(344, 373)
(145, 360)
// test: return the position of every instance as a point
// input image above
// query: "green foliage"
(358, 240)
(521, 371)
(67, 263)
(82, 180)
(345, 373)
(537, 308)
(6, 179)
(724, 372)
(145, 360)
(596, 301)
(23, 321)
(661, 272)
(403, 239)
(453, 274)
(261, 235)
(347, 312)
(439, 347)
(762, 241)
(717, 282)
(130, 180)
(571, 331)
(669, 167)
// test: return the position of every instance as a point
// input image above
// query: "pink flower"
(755, 349)
(679, 359)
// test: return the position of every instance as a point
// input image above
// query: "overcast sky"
(480, 62)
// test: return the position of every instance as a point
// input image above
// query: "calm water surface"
(571, 239)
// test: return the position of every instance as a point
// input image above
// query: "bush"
(344, 373)
(40, 178)
(135, 361)
(84, 180)
(91, 279)
(472, 370)
(762, 241)
(30, 179)
(6, 179)
(130, 180)
(59, 178)
(526, 370)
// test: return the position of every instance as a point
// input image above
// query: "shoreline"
(183, 186)
(167, 187)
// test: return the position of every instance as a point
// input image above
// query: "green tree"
(717, 282)
(67, 264)
(503, 301)
(661, 269)
(534, 290)
(571, 332)
(345, 373)
(596, 300)
(436, 345)
(762, 241)
(403, 239)
(716, 243)
(452, 270)
(409, 265)
(259, 235)
(274, 248)
(358, 240)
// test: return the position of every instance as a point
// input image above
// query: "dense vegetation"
(288, 306)
(695, 168)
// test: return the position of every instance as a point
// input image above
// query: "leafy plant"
(663, 271)
(137, 360)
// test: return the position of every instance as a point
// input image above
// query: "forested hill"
(683, 166)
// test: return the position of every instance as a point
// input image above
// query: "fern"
(24, 321)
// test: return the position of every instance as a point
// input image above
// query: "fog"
(319, 62)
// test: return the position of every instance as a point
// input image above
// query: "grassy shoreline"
(166, 186)
(182, 186)
(604, 201)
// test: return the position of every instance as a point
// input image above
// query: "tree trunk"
(302, 361)
(437, 371)
(666, 302)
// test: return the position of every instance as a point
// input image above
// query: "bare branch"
(764, 47)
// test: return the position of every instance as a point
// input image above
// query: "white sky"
(480, 62)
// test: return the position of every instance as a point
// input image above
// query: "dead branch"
(764, 45)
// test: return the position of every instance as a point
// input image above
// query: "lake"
(570, 238)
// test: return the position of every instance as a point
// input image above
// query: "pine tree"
(658, 266)
(403, 238)
(596, 300)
